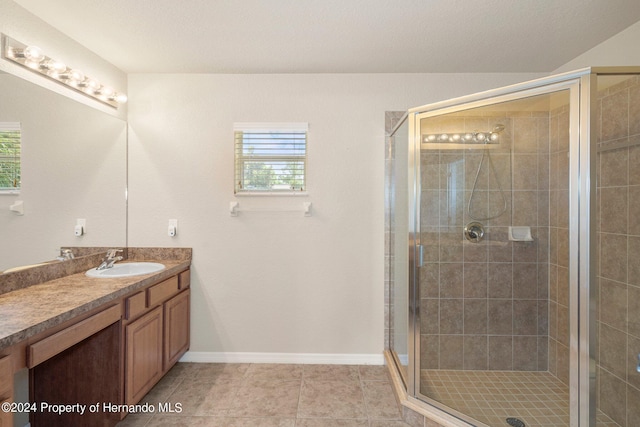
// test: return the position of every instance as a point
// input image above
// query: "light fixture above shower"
(490, 137)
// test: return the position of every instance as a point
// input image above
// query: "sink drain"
(515, 422)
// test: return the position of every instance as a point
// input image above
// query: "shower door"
(396, 236)
(495, 271)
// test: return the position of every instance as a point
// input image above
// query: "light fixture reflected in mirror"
(33, 58)
(490, 137)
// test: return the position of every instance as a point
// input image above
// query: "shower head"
(493, 135)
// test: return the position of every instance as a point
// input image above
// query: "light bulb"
(468, 136)
(493, 136)
(90, 85)
(34, 53)
(444, 137)
(480, 136)
(456, 137)
(431, 137)
(11, 53)
(54, 67)
(32, 64)
(121, 98)
(105, 90)
(76, 75)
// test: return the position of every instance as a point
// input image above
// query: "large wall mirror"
(73, 166)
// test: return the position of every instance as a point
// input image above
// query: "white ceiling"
(337, 36)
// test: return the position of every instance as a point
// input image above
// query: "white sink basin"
(126, 269)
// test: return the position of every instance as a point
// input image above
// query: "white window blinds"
(270, 157)
(9, 157)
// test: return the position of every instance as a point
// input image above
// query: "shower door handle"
(420, 255)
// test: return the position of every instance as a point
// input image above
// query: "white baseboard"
(293, 358)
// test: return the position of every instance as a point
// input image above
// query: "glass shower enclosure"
(513, 240)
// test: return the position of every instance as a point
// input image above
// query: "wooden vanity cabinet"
(114, 354)
(157, 335)
(176, 328)
(6, 390)
(85, 373)
(143, 355)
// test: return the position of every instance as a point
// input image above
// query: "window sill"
(272, 194)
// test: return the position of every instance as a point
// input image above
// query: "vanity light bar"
(489, 137)
(34, 59)
(468, 137)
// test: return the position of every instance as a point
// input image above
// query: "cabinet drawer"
(6, 377)
(57, 343)
(162, 291)
(185, 279)
(135, 305)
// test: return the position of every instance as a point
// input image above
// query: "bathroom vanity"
(93, 344)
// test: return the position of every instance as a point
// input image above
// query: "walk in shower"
(513, 253)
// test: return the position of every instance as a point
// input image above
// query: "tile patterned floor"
(265, 395)
(537, 398)
(604, 421)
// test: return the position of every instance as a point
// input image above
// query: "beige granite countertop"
(29, 311)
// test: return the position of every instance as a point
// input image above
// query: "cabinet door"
(176, 326)
(143, 367)
(6, 390)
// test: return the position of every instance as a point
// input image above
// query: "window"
(270, 157)
(9, 157)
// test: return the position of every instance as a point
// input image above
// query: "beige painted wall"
(275, 282)
(621, 49)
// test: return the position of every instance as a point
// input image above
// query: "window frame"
(17, 159)
(240, 160)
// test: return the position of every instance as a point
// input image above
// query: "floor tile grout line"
(363, 381)
(299, 396)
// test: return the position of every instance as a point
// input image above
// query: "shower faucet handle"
(474, 232)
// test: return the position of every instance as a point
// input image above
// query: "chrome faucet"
(111, 258)
(65, 254)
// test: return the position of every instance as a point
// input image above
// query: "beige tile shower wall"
(618, 210)
(559, 244)
(485, 306)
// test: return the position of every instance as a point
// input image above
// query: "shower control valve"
(474, 232)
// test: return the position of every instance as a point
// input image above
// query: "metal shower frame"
(582, 85)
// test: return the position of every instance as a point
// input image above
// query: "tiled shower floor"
(537, 398)
(266, 395)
